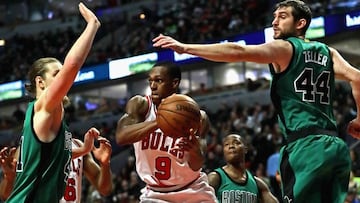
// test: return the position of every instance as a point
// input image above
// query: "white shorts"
(198, 192)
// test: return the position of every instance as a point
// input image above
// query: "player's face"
(49, 76)
(283, 23)
(234, 149)
(161, 84)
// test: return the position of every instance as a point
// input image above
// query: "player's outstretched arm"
(215, 52)
(74, 60)
(345, 71)
(100, 176)
(277, 51)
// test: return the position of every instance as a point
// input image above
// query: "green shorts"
(315, 169)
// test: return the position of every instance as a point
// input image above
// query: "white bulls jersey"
(159, 166)
(73, 186)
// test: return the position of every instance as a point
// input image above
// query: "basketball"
(177, 115)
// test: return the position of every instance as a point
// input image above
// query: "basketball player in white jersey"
(171, 168)
(98, 175)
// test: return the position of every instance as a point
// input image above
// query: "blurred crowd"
(123, 35)
(190, 21)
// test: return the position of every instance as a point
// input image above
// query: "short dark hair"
(299, 10)
(173, 69)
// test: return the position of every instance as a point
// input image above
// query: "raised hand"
(89, 138)
(88, 15)
(103, 152)
(88, 145)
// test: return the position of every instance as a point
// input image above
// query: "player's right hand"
(165, 42)
(89, 138)
(353, 128)
(88, 15)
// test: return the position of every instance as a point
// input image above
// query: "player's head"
(164, 80)
(42, 74)
(291, 19)
(234, 149)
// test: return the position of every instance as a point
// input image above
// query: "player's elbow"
(120, 138)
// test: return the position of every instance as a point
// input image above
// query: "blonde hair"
(38, 68)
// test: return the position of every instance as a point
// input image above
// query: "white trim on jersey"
(73, 189)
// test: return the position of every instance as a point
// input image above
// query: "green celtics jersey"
(42, 168)
(303, 93)
(230, 191)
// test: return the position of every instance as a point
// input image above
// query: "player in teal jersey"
(44, 151)
(315, 163)
(233, 182)
(99, 175)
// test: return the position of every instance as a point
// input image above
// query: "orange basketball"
(177, 115)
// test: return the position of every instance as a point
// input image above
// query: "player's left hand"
(189, 143)
(354, 128)
(103, 152)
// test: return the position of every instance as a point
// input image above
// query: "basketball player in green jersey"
(315, 163)
(233, 182)
(44, 151)
(97, 172)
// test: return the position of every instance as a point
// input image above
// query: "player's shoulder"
(280, 43)
(139, 104)
(214, 179)
(138, 99)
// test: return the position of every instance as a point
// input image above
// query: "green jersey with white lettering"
(42, 168)
(230, 191)
(304, 92)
